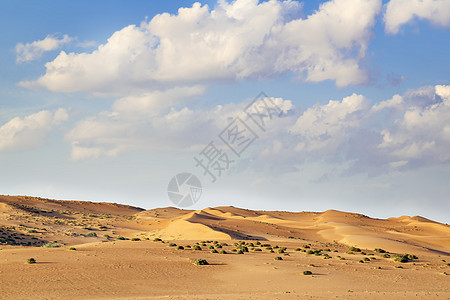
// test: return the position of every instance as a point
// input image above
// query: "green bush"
(72, 248)
(307, 273)
(379, 250)
(386, 255)
(172, 245)
(366, 259)
(200, 262)
(306, 247)
(135, 239)
(361, 261)
(31, 261)
(297, 249)
(258, 249)
(121, 238)
(278, 258)
(223, 252)
(180, 248)
(214, 251)
(403, 258)
(197, 247)
(211, 247)
(51, 245)
(240, 251)
(354, 249)
(280, 251)
(157, 240)
(91, 234)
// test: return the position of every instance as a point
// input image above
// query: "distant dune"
(67, 221)
(117, 255)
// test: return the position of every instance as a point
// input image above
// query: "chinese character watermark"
(214, 160)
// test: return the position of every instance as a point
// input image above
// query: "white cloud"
(242, 39)
(151, 123)
(35, 50)
(400, 12)
(323, 128)
(408, 131)
(29, 132)
(422, 133)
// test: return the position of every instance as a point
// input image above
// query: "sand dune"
(115, 251)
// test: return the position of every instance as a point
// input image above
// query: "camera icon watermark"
(184, 189)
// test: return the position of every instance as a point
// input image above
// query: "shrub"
(93, 234)
(307, 273)
(187, 246)
(379, 250)
(306, 246)
(200, 262)
(271, 251)
(258, 249)
(31, 261)
(275, 247)
(135, 239)
(327, 250)
(214, 251)
(218, 246)
(72, 248)
(354, 249)
(121, 237)
(157, 240)
(361, 261)
(211, 247)
(366, 259)
(280, 251)
(223, 252)
(240, 251)
(233, 250)
(403, 258)
(172, 244)
(32, 231)
(51, 245)
(386, 255)
(180, 248)
(197, 247)
(297, 249)
(278, 258)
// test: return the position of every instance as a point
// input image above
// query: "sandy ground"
(102, 266)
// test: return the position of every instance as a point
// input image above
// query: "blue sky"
(108, 100)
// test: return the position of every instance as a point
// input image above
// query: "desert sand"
(86, 250)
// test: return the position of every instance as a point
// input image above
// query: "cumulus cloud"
(35, 50)
(406, 131)
(323, 128)
(29, 132)
(400, 12)
(421, 135)
(150, 124)
(241, 39)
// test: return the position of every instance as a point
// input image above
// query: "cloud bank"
(238, 40)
